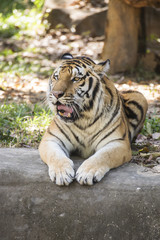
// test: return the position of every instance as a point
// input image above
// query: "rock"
(124, 205)
(158, 160)
(57, 13)
(99, 3)
(92, 24)
(91, 21)
(59, 17)
(156, 169)
(156, 135)
(84, 21)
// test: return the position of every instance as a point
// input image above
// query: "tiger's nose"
(58, 94)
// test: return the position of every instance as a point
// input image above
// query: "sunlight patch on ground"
(150, 91)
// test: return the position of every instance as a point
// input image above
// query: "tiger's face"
(73, 86)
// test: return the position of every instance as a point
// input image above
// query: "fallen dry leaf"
(150, 158)
(145, 150)
(154, 154)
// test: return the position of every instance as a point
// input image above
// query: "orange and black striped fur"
(92, 118)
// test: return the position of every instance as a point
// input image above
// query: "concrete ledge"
(125, 205)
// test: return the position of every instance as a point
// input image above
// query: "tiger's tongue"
(65, 108)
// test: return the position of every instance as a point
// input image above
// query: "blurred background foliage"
(7, 6)
(18, 16)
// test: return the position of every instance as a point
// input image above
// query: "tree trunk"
(143, 3)
(121, 37)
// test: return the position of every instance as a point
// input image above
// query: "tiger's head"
(74, 86)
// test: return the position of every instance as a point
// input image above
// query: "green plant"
(22, 124)
(38, 3)
(151, 125)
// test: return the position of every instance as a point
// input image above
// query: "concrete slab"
(125, 205)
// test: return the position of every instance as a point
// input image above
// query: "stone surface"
(124, 205)
(93, 24)
(87, 19)
(57, 17)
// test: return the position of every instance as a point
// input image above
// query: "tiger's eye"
(75, 79)
(55, 77)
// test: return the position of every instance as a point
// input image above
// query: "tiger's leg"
(110, 156)
(55, 156)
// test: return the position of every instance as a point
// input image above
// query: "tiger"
(91, 118)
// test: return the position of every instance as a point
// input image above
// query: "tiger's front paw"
(88, 174)
(62, 173)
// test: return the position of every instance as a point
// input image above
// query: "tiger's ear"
(102, 67)
(67, 56)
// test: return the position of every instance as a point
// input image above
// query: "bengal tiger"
(92, 118)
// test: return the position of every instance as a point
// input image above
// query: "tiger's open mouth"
(66, 112)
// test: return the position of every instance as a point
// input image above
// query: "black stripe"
(102, 80)
(74, 65)
(90, 106)
(64, 146)
(124, 135)
(124, 100)
(118, 139)
(106, 125)
(130, 113)
(87, 58)
(80, 94)
(77, 65)
(89, 88)
(78, 70)
(134, 126)
(87, 74)
(115, 111)
(128, 91)
(76, 137)
(79, 62)
(111, 94)
(86, 61)
(90, 83)
(62, 131)
(80, 127)
(95, 90)
(100, 115)
(96, 119)
(138, 106)
(71, 61)
(81, 85)
(84, 77)
(108, 134)
(129, 134)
